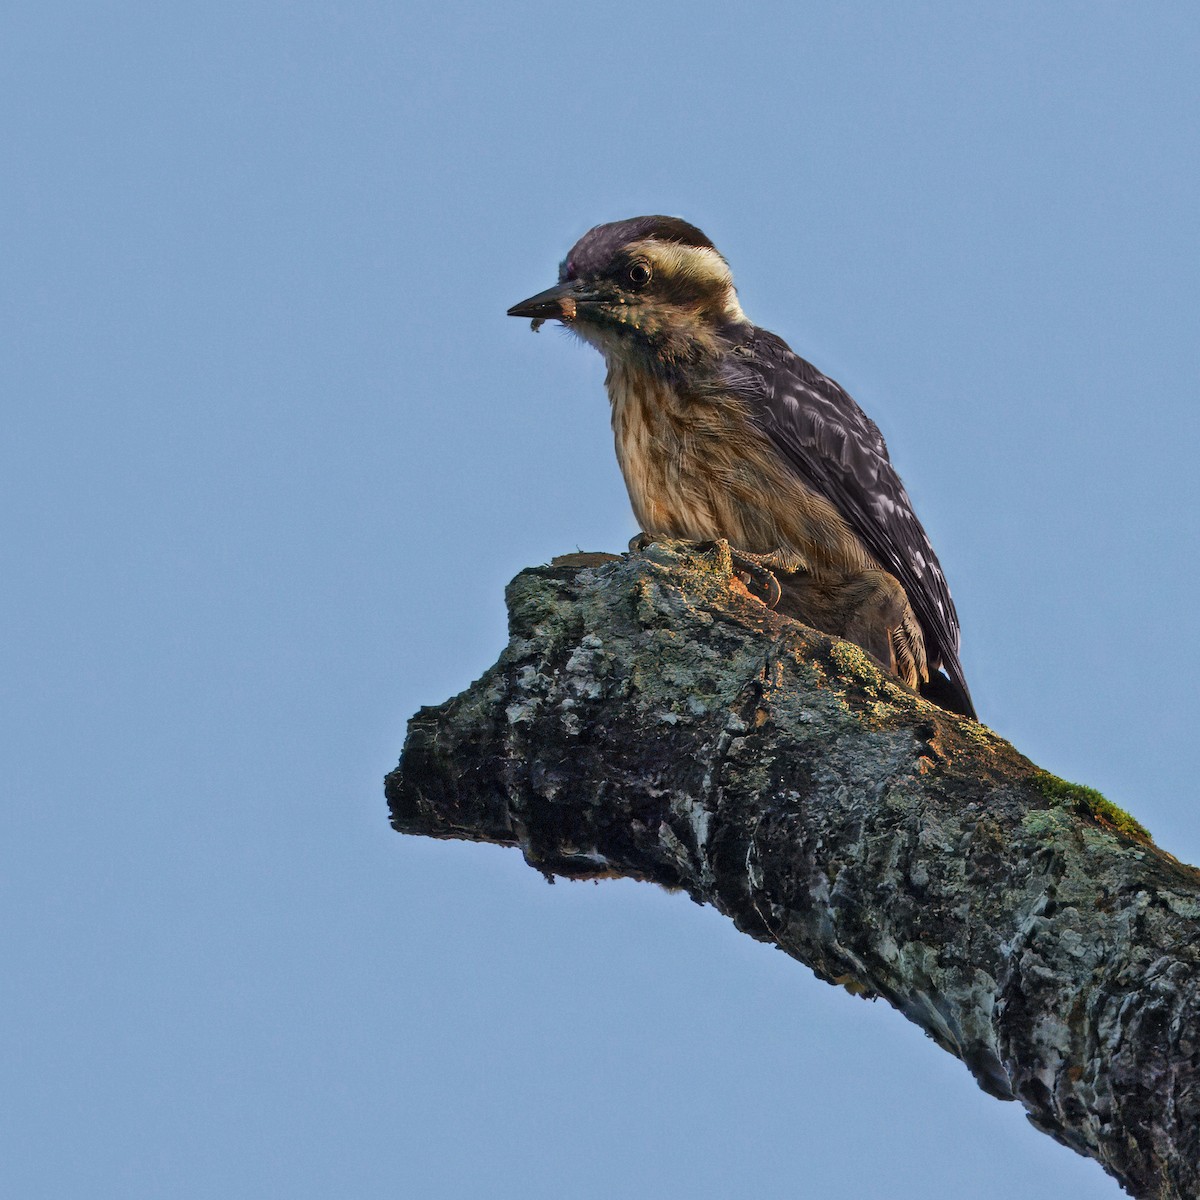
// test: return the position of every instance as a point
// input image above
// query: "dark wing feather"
(838, 451)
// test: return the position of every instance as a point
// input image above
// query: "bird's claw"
(753, 570)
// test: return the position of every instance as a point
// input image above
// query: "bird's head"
(652, 288)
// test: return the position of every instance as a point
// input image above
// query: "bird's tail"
(949, 691)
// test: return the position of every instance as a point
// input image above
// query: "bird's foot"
(755, 572)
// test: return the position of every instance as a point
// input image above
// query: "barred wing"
(838, 451)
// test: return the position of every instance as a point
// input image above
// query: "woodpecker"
(722, 432)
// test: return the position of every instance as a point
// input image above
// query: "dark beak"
(554, 304)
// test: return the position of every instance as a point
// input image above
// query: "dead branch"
(650, 719)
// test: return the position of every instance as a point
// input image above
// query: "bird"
(723, 432)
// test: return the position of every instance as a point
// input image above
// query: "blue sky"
(272, 449)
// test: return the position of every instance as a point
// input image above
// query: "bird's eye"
(638, 273)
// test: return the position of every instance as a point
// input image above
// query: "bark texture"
(650, 719)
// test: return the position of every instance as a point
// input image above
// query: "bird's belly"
(667, 496)
(675, 458)
(697, 468)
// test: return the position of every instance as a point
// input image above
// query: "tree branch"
(650, 719)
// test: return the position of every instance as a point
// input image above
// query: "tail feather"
(950, 693)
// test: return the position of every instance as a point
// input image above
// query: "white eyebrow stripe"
(700, 263)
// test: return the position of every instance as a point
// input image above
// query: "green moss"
(1090, 803)
(977, 732)
(855, 663)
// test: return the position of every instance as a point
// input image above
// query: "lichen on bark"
(651, 719)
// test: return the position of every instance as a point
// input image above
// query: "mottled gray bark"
(650, 719)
